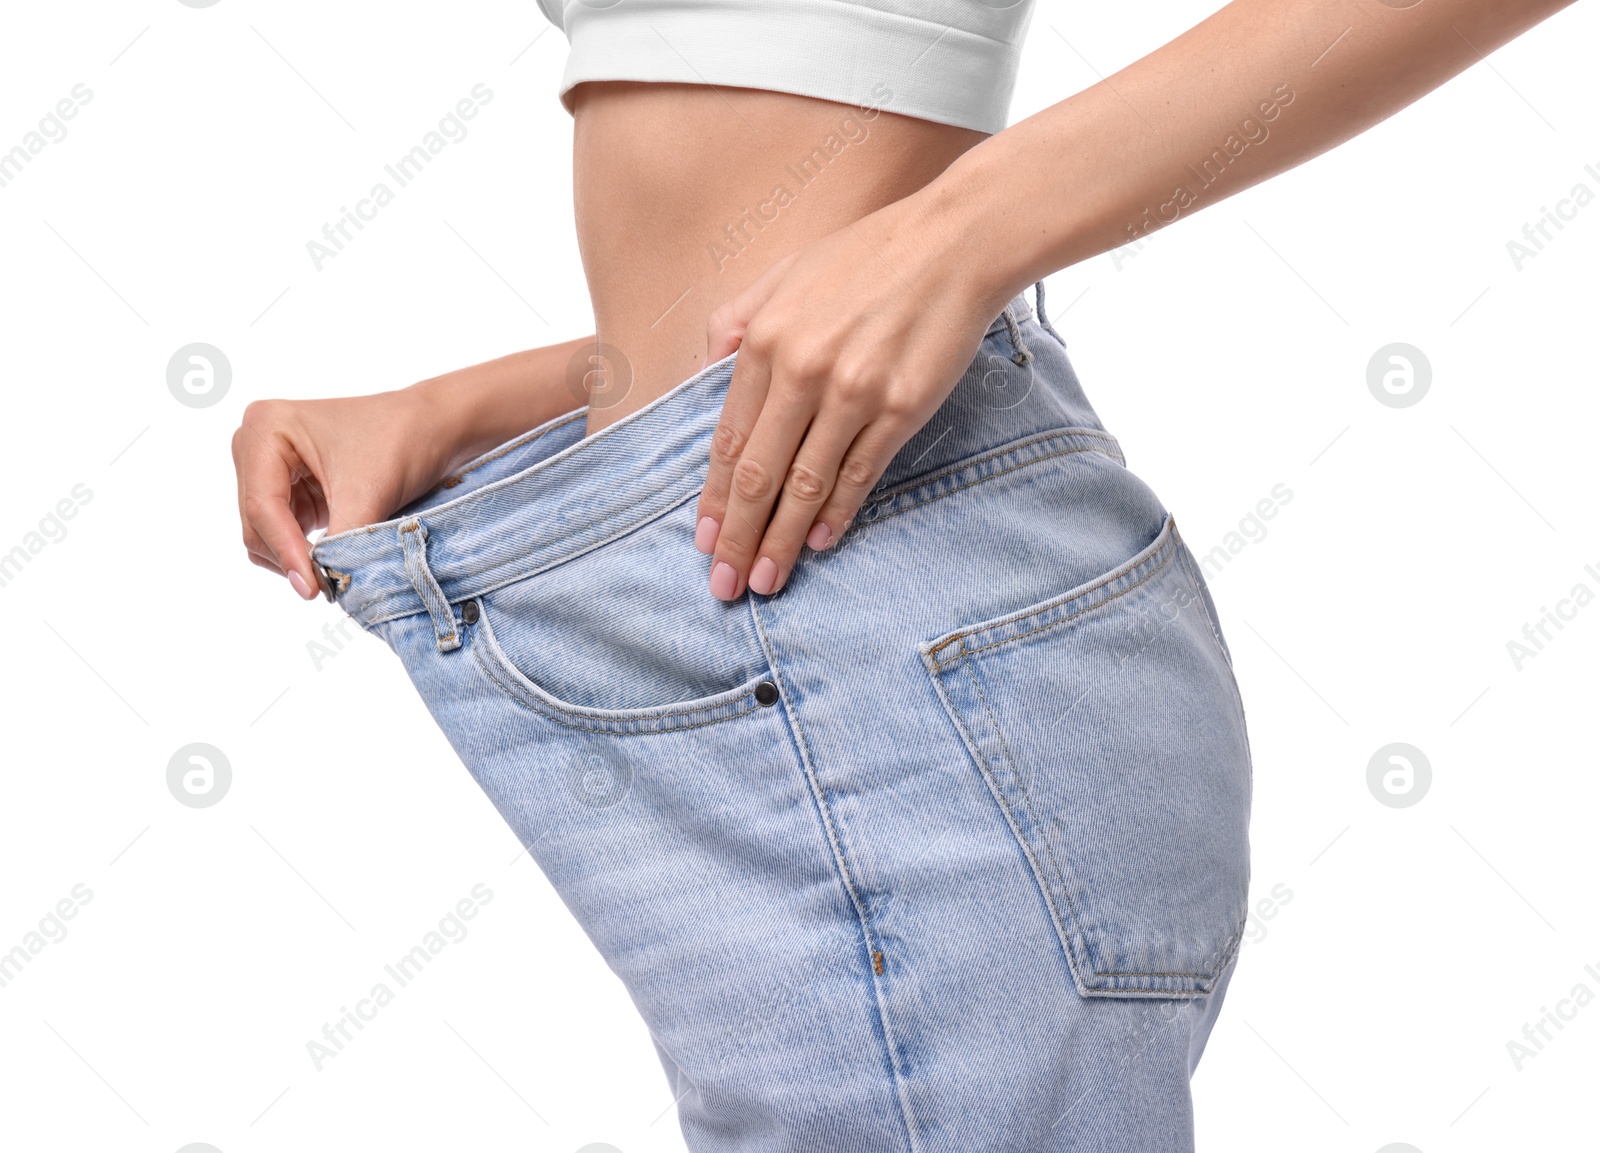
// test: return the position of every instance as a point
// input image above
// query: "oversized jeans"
(942, 848)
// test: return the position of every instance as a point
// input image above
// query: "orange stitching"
(1062, 604)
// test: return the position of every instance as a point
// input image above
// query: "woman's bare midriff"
(685, 194)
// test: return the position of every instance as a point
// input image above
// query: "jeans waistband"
(570, 493)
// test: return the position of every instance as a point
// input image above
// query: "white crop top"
(952, 61)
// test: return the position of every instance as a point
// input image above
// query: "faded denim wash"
(940, 849)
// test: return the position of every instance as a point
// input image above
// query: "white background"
(1229, 355)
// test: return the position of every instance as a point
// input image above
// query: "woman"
(917, 819)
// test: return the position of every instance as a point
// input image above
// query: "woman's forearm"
(1257, 88)
(485, 405)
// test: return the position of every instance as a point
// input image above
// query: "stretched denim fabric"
(940, 849)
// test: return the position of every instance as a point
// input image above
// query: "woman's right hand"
(335, 464)
(340, 464)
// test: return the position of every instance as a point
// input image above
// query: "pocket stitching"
(1027, 797)
(1211, 629)
(510, 446)
(962, 466)
(632, 723)
(1196, 581)
(1027, 614)
(378, 608)
(1167, 541)
(1071, 935)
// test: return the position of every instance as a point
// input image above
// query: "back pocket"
(1107, 724)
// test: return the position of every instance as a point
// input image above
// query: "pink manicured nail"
(299, 584)
(723, 581)
(764, 576)
(819, 536)
(705, 535)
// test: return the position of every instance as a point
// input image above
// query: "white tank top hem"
(949, 61)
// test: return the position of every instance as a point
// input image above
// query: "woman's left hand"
(846, 348)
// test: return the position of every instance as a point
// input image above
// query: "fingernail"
(705, 535)
(705, 363)
(299, 584)
(819, 536)
(723, 580)
(764, 576)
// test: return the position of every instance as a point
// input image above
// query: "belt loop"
(1023, 356)
(1038, 307)
(414, 538)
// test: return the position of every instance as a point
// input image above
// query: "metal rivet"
(766, 693)
(469, 612)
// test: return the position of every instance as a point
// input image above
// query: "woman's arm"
(487, 404)
(1259, 87)
(851, 345)
(340, 464)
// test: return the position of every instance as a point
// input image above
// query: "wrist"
(1003, 233)
(959, 211)
(465, 413)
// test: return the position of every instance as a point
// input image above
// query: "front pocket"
(623, 633)
(1107, 725)
(724, 706)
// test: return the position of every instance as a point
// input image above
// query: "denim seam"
(569, 453)
(575, 719)
(598, 725)
(511, 446)
(956, 468)
(379, 609)
(1029, 852)
(1099, 604)
(973, 483)
(961, 636)
(938, 667)
(1195, 579)
(402, 595)
(414, 545)
(863, 913)
(1211, 629)
(1075, 933)
(649, 712)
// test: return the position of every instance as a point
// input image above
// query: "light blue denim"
(940, 849)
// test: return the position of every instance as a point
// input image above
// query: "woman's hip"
(983, 760)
